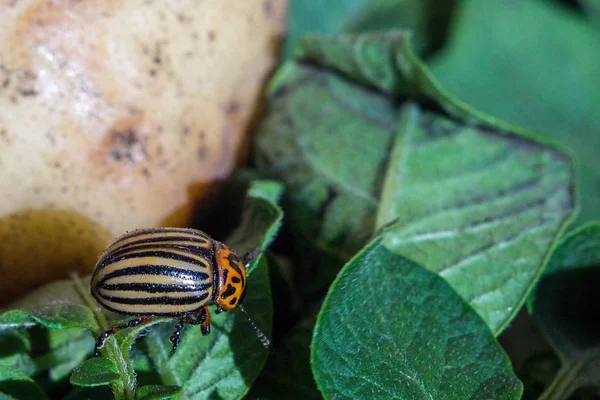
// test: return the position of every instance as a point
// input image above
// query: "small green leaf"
(261, 218)
(15, 385)
(565, 306)
(497, 67)
(56, 305)
(391, 329)
(95, 372)
(157, 392)
(67, 348)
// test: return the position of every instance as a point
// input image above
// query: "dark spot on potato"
(152, 72)
(146, 172)
(212, 36)
(233, 107)
(186, 130)
(268, 7)
(127, 145)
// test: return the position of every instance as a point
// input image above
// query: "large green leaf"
(327, 139)
(481, 208)
(391, 329)
(504, 60)
(16, 385)
(479, 202)
(565, 306)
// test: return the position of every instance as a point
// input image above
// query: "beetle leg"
(202, 318)
(248, 258)
(116, 328)
(205, 325)
(176, 335)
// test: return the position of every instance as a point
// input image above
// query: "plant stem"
(564, 378)
(125, 387)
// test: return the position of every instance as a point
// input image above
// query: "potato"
(117, 115)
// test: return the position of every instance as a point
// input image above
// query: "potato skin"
(119, 115)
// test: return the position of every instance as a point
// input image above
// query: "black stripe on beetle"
(156, 300)
(165, 270)
(199, 251)
(155, 253)
(155, 288)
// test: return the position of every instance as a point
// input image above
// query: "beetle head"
(232, 278)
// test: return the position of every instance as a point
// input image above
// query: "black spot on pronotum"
(228, 292)
(235, 279)
(234, 263)
(232, 301)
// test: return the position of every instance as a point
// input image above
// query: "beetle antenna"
(253, 255)
(261, 336)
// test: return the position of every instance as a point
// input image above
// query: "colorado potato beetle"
(169, 272)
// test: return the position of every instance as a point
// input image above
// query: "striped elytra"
(168, 272)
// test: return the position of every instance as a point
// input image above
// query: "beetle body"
(168, 272)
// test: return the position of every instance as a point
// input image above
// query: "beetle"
(169, 272)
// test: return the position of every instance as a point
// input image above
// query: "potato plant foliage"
(426, 164)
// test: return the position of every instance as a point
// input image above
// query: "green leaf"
(224, 363)
(261, 219)
(480, 208)
(425, 18)
(565, 306)
(157, 392)
(494, 66)
(14, 349)
(15, 385)
(317, 122)
(57, 305)
(67, 348)
(391, 329)
(472, 194)
(95, 372)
